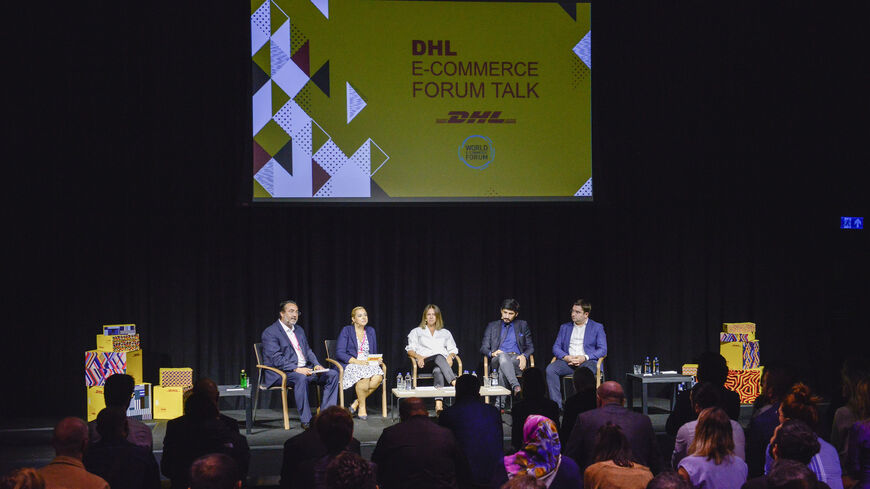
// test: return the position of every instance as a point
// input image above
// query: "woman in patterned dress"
(355, 343)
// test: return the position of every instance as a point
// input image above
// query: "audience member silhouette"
(115, 459)
(418, 453)
(200, 431)
(23, 478)
(581, 401)
(210, 389)
(350, 471)
(705, 395)
(858, 453)
(541, 456)
(524, 482)
(117, 393)
(303, 450)
(636, 427)
(668, 480)
(711, 462)
(800, 404)
(613, 468)
(478, 431)
(215, 471)
(70, 439)
(792, 440)
(786, 474)
(775, 384)
(854, 370)
(712, 368)
(535, 400)
(334, 425)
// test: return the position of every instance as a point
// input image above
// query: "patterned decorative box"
(176, 377)
(119, 329)
(729, 337)
(746, 383)
(738, 328)
(140, 404)
(741, 355)
(690, 369)
(117, 342)
(100, 364)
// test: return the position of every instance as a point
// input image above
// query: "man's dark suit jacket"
(188, 438)
(684, 411)
(300, 454)
(279, 352)
(636, 427)
(478, 430)
(492, 337)
(574, 405)
(420, 454)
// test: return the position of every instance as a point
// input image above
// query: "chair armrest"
(531, 360)
(485, 365)
(458, 364)
(340, 368)
(384, 368)
(413, 370)
(553, 360)
(277, 371)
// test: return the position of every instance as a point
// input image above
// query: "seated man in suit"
(636, 427)
(580, 344)
(285, 348)
(509, 344)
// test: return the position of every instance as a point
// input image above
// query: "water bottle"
(243, 379)
(646, 366)
(656, 369)
(400, 382)
(494, 379)
(465, 372)
(409, 385)
(474, 373)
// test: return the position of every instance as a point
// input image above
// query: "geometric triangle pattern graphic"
(330, 157)
(323, 6)
(362, 159)
(585, 190)
(355, 103)
(301, 59)
(319, 177)
(321, 78)
(583, 49)
(260, 29)
(318, 138)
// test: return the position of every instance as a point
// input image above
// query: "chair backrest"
(330, 348)
(258, 354)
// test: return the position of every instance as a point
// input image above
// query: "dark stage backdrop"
(727, 145)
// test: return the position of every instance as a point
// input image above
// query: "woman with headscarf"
(541, 456)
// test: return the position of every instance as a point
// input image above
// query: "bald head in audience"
(70, 437)
(215, 471)
(610, 392)
(412, 406)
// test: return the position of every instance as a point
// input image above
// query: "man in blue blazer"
(286, 348)
(508, 343)
(580, 344)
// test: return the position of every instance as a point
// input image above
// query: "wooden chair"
(599, 375)
(330, 349)
(531, 363)
(457, 362)
(284, 388)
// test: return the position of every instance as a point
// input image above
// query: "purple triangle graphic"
(319, 177)
(301, 59)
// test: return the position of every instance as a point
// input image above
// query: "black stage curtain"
(726, 148)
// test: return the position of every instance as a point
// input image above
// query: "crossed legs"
(364, 388)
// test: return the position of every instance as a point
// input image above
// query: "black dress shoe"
(305, 426)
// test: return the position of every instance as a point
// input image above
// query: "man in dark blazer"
(579, 344)
(286, 348)
(418, 453)
(508, 343)
(636, 427)
(478, 431)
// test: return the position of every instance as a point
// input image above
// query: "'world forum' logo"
(476, 152)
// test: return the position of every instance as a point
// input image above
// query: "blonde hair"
(354, 310)
(714, 438)
(439, 323)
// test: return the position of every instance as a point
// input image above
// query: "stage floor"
(27, 442)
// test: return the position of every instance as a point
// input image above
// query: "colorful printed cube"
(99, 365)
(746, 383)
(119, 329)
(176, 377)
(739, 328)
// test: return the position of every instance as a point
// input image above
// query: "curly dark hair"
(611, 444)
(350, 471)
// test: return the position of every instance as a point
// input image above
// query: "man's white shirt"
(291, 335)
(578, 334)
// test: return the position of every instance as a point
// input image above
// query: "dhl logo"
(488, 117)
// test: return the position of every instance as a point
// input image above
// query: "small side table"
(238, 391)
(645, 380)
